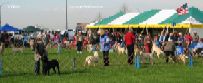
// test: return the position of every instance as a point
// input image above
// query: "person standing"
(188, 39)
(169, 49)
(147, 44)
(129, 40)
(79, 42)
(180, 38)
(25, 40)
(39, 52)
(105, 46)
(161, 39)
(93, 41)
(195, 37)
(4, 36)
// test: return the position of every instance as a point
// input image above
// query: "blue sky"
(51, 13)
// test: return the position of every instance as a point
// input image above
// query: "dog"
(66, 44)
(157, 50)
(120, 50)
(92, 59)
(89, 48)
(147, 55)
(180, 54)
(181, 58)
(139, 52)
(15, 49)
(48, 65)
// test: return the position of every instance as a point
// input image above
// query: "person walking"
(129, 39)
(105, 46)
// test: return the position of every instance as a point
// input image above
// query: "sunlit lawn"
(19, 68)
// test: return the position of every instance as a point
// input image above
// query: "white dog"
(157, 50)
(92, 59)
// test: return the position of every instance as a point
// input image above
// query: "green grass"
(19, 68)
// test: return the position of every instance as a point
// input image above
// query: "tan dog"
(15, 49)
(92, 59)
(157, 50)
(89, 47)
(137, 51)
(121, 50)
(66, 44)
(181, 58)
(145, 56)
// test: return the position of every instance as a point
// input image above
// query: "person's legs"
(37, 67)
(106, 58)
(79, 47)
(128, 49)
(172, 53)
(130, 53)
(167, 56)
(151, 58)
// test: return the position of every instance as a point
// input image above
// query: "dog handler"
(105, 46)
(129, 40)
(39, 52)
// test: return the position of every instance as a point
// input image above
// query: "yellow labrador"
(157, 50)
(92, 59)
(121, 50)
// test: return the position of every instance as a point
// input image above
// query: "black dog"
(48, 65)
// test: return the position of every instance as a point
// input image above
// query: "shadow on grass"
(79, 71)
(16, 74)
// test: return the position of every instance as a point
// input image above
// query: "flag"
(183, 9)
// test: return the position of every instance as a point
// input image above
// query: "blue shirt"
(199, 45)
(179, 50)
(105, 43)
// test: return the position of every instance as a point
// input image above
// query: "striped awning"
(152, 19)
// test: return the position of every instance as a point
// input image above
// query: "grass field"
(19, 68)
